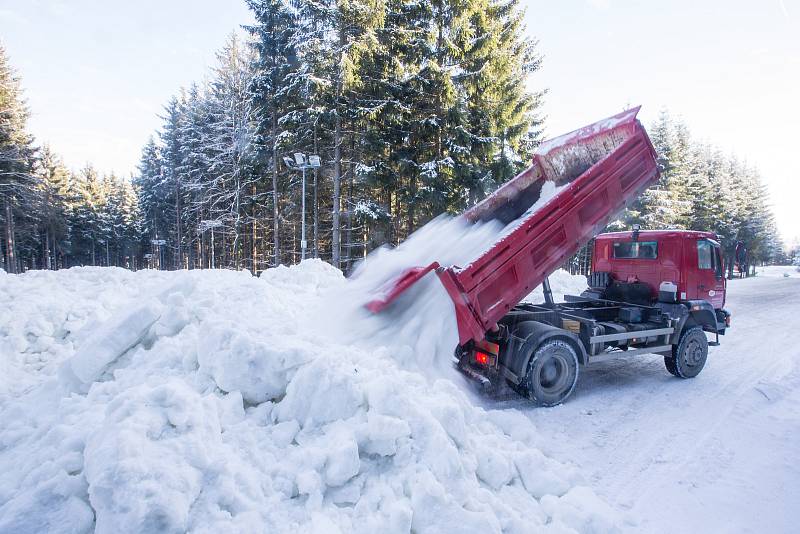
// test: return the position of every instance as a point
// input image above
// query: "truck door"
(709, 279)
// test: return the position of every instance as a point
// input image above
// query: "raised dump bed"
(596, 170)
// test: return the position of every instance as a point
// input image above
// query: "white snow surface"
(775, 271)
(717, 453)
(215, 401)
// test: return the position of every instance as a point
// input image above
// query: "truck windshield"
(705, 255)
(636, 250)
(708, 257)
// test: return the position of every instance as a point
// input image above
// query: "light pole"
(159, 244)
(302, 164)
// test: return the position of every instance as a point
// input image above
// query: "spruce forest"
(414, 108)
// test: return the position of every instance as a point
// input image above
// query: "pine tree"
(54, 191)
(273, 89)
(195, 164)
(17, 182)
(172, 187)
(666, 204)
(148, 180)
(230, 138)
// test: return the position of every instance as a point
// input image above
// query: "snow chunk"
(238, 362)
(112, 340)
(381, 432)
(321, 392)
(59, 513)
(343, 462)
(145, 466)
(494, 468)
(437, 512)
(544, 476)
(582, 510)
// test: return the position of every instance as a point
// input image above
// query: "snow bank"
(212, 401)
(561, 283)
(778, 271)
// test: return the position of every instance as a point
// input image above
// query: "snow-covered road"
(715, 454)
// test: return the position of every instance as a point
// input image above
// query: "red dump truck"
(649, 292)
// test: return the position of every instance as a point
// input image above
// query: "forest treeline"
(701, 188)
(52, 217)
(414, 109)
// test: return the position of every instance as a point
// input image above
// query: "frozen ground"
(718, 453)
(211, 402)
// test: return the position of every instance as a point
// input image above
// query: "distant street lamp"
(300, 162)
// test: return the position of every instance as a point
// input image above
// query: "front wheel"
(552, 373)
(689, 357)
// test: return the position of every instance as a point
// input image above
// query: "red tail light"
(482, 358)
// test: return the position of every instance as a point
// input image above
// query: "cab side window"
(705, 255)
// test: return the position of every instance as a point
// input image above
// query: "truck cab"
(690, 260)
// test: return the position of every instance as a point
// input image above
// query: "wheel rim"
(552, 376)
(693, 353)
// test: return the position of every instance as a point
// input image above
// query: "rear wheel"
(552, 373)
(689, 357)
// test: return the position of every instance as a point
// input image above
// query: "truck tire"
(689, 356)
(669, 363)
(552, 373)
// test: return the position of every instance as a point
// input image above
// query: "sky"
(97, 73)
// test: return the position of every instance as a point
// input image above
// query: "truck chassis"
(538, 348)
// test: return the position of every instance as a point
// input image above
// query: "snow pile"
(45, 316)
(778, 271)
(561, 283)
(209, 401)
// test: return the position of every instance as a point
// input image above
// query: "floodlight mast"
(300, 162)
(303, 243)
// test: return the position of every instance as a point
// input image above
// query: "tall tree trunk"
(337, 160)
(316, 200)
(11, 261)
(179, 256)
(253, 244)
(337, 183)
(411, 205)
(275, 220)
(47, 262)
(349, 212)
(3, 253)
(224, 263)
(237, 248)
(213, 261)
